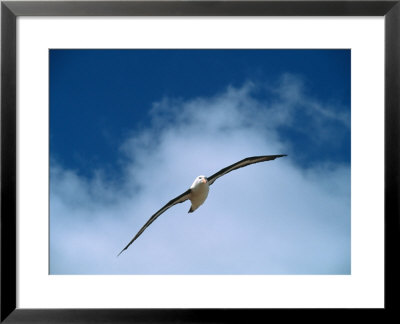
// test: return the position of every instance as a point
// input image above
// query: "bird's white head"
(199, 181)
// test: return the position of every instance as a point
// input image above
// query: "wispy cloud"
(270, 218)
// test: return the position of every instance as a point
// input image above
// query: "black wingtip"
(120, 253)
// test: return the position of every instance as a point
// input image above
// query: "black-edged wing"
(180, 199)
(241, 164)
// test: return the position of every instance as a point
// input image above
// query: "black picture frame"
(10, 10)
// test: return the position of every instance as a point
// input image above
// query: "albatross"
(198, 191)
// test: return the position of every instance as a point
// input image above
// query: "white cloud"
(269, 218)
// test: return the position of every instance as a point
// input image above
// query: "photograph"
(199, 161)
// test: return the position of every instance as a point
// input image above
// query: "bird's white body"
(198, 192)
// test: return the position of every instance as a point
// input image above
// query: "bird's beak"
(204, 180)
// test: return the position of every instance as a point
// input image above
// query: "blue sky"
(131, 129)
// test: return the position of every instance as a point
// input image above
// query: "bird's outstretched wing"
(241, 164)
(180, 199)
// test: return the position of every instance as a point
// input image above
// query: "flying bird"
(198, 191)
